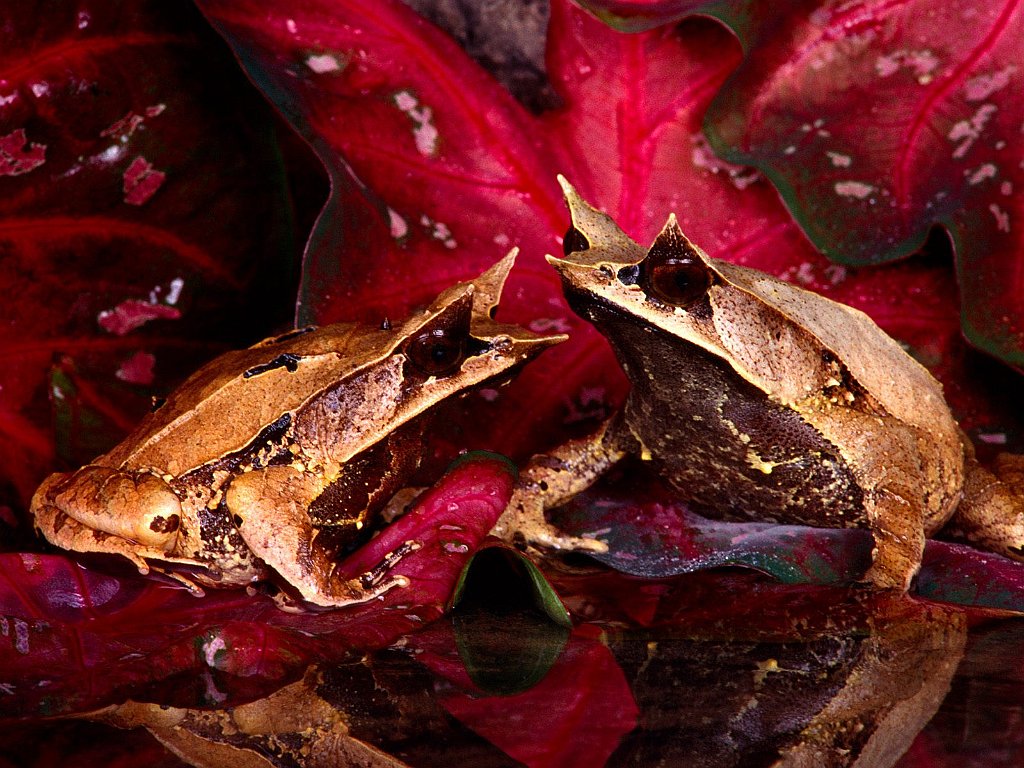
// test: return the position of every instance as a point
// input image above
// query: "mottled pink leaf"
(876, 121)
(141, 207)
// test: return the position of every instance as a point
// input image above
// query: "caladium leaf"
(436, 170)
(653, 539)
(141, 202)
(930, 141)
(93, 637)
(938, 98)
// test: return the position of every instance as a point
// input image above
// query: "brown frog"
(268, 460)
(757, 399)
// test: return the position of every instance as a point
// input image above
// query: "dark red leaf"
(140, 206)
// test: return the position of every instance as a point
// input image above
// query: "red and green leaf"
(877, 121)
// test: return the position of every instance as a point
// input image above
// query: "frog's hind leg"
(270, 507)
(991, 512)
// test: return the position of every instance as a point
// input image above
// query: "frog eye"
(679, 282)
(574, 241)
(437, 352)
(673, 271)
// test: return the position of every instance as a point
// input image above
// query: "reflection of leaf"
(135, 175)
(575, 716)
(94, 637)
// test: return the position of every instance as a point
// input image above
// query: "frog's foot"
(181, 578)
(991, 512)
(899, 541)
(270, 507)
(523, 522)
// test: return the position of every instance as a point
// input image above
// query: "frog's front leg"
(895, 524)
(270, 507)
(553, 478)
(991, 512)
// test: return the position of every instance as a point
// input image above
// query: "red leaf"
(891, 118)
(137, 183)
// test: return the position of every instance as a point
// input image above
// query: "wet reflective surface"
(837, 678)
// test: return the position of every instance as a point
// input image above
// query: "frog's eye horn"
(437, 352)
(574, 241)
(673, 271)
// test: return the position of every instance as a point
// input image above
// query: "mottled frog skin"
(758, 399)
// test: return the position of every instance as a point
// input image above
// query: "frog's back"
(231, 399)
(874, 360)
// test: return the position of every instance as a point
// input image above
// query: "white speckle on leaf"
(211, 648)
(21, 636)
(839, 160)
(920, 63)
(439, 231)
(502, 240)
(550, 325)
(488, 394)
(1001, 216)
(1006, 188)
(856, 189)
(986, 171)
(967, 131)
(992, 438)
(399, 226)
(835, 274)
(290, 25)
(741, 176)
(174, 290)
(790, 150)
(424, 133)
(983, 86)
(323, 63)
(111, 154)
(83, 19)
(39, 89)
